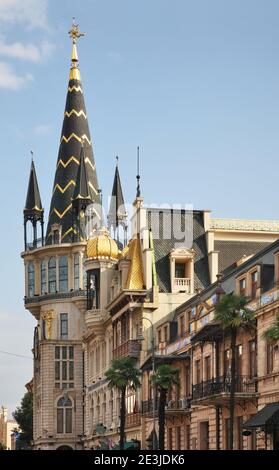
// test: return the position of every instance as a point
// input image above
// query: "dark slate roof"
(75, 130)
(166, 226)
(232, 251)
(82, 190)
(117, 211)
(263, 417)
(33, 199)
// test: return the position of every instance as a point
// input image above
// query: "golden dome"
(102, 246)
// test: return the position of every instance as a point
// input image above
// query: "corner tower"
(75, 134)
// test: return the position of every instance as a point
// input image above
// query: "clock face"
(36, 343)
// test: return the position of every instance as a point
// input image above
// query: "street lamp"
(141, 338)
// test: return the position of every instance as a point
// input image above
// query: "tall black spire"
(117, 213)
(33, 210)
(81, 198)
(75, 131)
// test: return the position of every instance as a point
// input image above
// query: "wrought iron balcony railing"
(219, 385)
(180, 404)
(129, 348)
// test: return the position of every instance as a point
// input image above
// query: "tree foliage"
(24, 418)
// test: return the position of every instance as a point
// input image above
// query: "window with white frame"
(31, 279)
(64, 367)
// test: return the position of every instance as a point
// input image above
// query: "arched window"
(63, 274)
(43, 277)
(64, 416)
(52, 275)
(31, 279)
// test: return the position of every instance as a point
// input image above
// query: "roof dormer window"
(182, 270)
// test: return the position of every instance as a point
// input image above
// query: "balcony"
(173, 407)
(182, 284)
(218, 389)
(133, 420)
(129, 348)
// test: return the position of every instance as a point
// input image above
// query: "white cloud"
(18, 50)
(9, 79)
(32, 13)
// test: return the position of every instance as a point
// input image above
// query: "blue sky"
(194, 83)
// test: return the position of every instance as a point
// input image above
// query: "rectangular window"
(166, 334)
(64, 367)
(68, 420)
(227, 433)
(178, 438)
(63, 274)
(207, 367)
(187, 381)
(60, 420)
(159, 336)
(269, 358)
(242, 287)
(43, 277)
(187, 431)
(198, 371)
(227, 355)
(76, 271)
(63, 326)
(182, 327)
(180, 270)
(239, 355)
(170, 438)
(252, 359)
(254, 284)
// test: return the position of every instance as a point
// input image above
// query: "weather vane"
(75, 33)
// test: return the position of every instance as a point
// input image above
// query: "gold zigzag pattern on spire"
(61, 214)
(77, 113)
(92, 187)
(68, 232)
(75, 88)
(71, 159)
(62, 190)
(74, 136)
(74, 159)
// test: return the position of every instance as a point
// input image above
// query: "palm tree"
(165, 377)
(232, 313)
(272, 334)
(122, 374)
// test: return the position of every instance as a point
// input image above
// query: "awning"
(264, 418)
(161, 359)
(210, 332)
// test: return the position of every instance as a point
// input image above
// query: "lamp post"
(153, 373)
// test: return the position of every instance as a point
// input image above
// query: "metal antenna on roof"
(138, 172)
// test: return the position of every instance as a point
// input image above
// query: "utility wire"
(15, 355)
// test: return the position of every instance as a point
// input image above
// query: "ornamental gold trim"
(77, 113)
(63, 190)
(47, 317)
(68, 232)
(75, 88)
(74, 136)
(74, 159)
(71, 159)
(61, 214)
(92, 187)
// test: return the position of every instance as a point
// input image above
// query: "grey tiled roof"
(190, 222)
(232, 251)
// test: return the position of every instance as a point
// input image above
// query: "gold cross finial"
(75, 33)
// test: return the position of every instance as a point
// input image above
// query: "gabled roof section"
(135, 278)
(117, 211)
(82, 190)
(33, 199)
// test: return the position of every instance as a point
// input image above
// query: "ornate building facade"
(94, 295)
